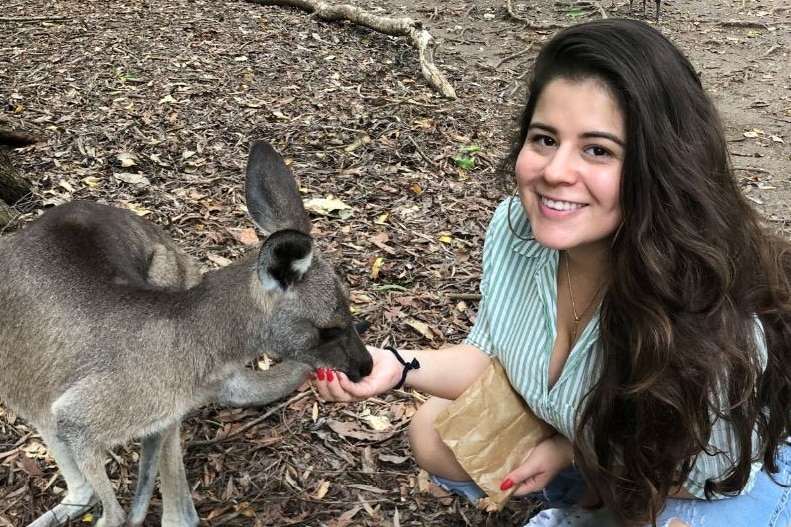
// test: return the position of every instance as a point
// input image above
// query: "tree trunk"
(7, 214)
(12, 186)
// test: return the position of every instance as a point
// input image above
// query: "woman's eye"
(542, 140)
(598, 151)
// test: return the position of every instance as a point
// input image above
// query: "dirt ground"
(150, 105)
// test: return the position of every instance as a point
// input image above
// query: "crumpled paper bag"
(491, 430)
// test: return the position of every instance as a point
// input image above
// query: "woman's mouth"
(560, 205)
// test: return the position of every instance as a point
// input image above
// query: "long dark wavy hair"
(692, 267)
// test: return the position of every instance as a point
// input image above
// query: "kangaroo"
(109, 333)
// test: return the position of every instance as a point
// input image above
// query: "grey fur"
(109, 333)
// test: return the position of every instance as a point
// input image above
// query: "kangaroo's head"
(312, 321)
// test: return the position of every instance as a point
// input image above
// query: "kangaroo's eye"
(329, 333)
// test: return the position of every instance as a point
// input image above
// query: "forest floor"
(151, 105)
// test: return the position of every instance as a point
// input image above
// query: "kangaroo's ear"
(271, 192)
(284, 258)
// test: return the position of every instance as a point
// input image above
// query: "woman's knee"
(675, 522)
(429, 450)
(421, 433)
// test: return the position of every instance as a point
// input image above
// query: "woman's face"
(569, 169)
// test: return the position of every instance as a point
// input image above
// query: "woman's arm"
(445, 373)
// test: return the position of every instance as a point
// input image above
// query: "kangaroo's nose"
(362, 368)
(367, 366)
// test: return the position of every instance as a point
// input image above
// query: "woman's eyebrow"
(614, 138)
(585, 135)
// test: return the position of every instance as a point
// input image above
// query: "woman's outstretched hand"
(334, 385)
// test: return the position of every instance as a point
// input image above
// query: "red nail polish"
(330, 376)
(320, 373)
(506, 484)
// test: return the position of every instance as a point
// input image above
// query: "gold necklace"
(578, 316)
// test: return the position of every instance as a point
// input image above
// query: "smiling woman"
(635, 301)
(568, 172)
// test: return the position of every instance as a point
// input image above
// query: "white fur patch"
(302, 265)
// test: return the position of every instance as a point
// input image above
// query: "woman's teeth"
(560, 205)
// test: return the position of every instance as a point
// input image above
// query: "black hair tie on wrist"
(408, 366)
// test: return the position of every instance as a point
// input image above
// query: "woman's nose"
(561, 167)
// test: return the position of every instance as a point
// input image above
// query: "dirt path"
(151, 105)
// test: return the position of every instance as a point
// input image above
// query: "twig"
(742, 23)
(513, 56)
(462, 296)
(24, 20)
(600, 8)
(249, 424)
(753, 169)
(772, 49)
(420, 152)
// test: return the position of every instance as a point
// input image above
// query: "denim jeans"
(767, 504)
(563, 491)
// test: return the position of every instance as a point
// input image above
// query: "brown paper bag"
(491, 430)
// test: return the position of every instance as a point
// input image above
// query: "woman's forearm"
(446, 372)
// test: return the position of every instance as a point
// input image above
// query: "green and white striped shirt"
(517, 322)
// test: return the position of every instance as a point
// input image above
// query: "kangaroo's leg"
(177, 507)
(255, 388)
(80, 496)
(150, 450)
(76, 428)
(89, 459)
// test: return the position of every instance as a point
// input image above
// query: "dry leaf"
(132, 179)
(377, 422)
(327, 206)
(137, 209)
(91, 181)
(245, 236)
(219, 260)
(377, 265)
(393, 460)
(355, 431)
(362, 140)
(127, 159)
(66, 185)
(322, 489)
(30, 467)
(420, 327)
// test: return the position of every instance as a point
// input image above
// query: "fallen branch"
(416, 35)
